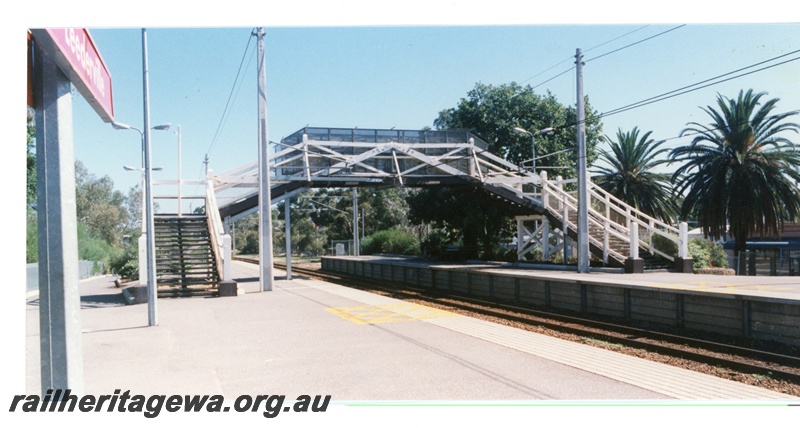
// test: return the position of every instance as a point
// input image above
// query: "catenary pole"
(150, 242)
(356, 244)
(264, 197)
(583, 194)
(288, 218)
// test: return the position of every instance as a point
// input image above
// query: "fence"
(86, 268)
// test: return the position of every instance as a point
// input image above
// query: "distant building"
(789, 240)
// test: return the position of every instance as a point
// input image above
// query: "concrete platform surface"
(311, 337)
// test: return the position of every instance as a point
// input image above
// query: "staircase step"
(185, 262)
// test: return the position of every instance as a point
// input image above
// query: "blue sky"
(383, 76)
(402, 76)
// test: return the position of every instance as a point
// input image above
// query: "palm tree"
(740, 172)
(630, 174)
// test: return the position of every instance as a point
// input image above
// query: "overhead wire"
(225, 111)
(603, 55)
(636, 43)
(571, 57)
(695, 86)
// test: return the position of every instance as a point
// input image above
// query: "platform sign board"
(74, 51)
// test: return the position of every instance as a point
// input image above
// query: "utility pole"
(288, 218)
(583, 194)
(264, 197)
(356, 245)
(150, 240)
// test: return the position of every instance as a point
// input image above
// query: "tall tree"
(98, 206)
(740, 171)
(31, 152)
(629, 174)
(492, 112)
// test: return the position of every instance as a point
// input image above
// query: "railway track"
(743, 359)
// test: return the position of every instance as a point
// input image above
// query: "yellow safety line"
(397, 312)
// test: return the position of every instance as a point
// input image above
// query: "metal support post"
(356, 244)
(583, 194)
(59, 297)
(264, 197)
(288, 217)
(152, 296)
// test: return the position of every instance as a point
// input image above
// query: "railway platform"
(750, 307)
(312, 337)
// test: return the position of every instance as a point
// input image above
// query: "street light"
(544, 131)
(124, 126)
(152, 296)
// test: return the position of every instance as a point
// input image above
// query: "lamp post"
(152, 315)
(124, 126)
(544, 131)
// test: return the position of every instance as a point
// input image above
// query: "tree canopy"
(492, 113)
(740, 171)
(98, 206)
(629, 174)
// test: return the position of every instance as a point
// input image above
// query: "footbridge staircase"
(336, 157)
(192, 250)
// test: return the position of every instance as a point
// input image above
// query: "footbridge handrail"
(560, 203)
(614, 218)
(651, 225)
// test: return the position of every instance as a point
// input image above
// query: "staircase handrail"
(595, 218)
(651, 225)
(215, 227)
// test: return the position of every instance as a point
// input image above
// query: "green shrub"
(391, 241)
(718, 257)
(665, 245)
(435, 243)
(706, 254)
(126, 263)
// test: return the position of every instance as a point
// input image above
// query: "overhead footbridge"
(316, 157)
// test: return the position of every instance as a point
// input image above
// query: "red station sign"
(77, 56)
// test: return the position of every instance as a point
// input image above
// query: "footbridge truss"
(337, 157)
